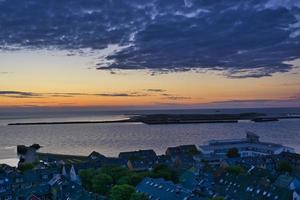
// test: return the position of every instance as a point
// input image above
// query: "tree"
(115, 172)
(86, 177)
(121, 192)
(233, 153)
(284, 167)
(236, 169)
(25, 167)
(102, 183)
(218, 198)
(131, 179)
(138, 196)
(163, 171)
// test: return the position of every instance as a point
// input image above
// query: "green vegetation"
(86, 177)
(284, 167)
(25, 167)
(115, 172)
(138, 196)
(132, 178)
(103, 180)
(163, 171)
(233, 153)
(237, 170)
(122, 192)
(102, 183)
(218, 198)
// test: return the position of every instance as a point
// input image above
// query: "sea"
(111, 138)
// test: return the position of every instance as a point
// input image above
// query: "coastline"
(173, 119)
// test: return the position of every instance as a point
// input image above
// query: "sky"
(150, 54)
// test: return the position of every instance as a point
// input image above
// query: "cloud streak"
(242, 39)
(155, 90)
(20, 94)
(133, 94)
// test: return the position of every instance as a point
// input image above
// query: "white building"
(247, 147)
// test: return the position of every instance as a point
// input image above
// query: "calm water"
(110, 139)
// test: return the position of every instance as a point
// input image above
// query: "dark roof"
(141, 164)
(141, 154)
(250, 186)
(163, 190)
(96, 155)
(183, 149)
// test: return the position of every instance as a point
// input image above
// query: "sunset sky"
(154, 56)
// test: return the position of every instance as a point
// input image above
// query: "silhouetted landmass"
(177, 119)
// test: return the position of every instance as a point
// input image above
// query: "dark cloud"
(173, 97)
(156, 90)
(291, 99)
(65, 94)
(17, 94)
(133, 94)
(248, 38)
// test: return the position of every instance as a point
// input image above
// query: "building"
(182, 157)
(183, 149)
(257, 184)
(164, 190)
(287, 182)
(140, 154)
(139, 160)
(141, 165)
(247, 147)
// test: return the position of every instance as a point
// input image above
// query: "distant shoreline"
(68, 122)
(158, 119)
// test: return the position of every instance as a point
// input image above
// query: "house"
(164, 160)
(189, 179)
(255, 185)
(183, 149)
(63, 188)
(96, 156)
(248, 147)
(292, 158)
(287, 182)
(140, 154)
(212, 160)
(139, 160)
(164, 190)
(141, 165)
(182, 157)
